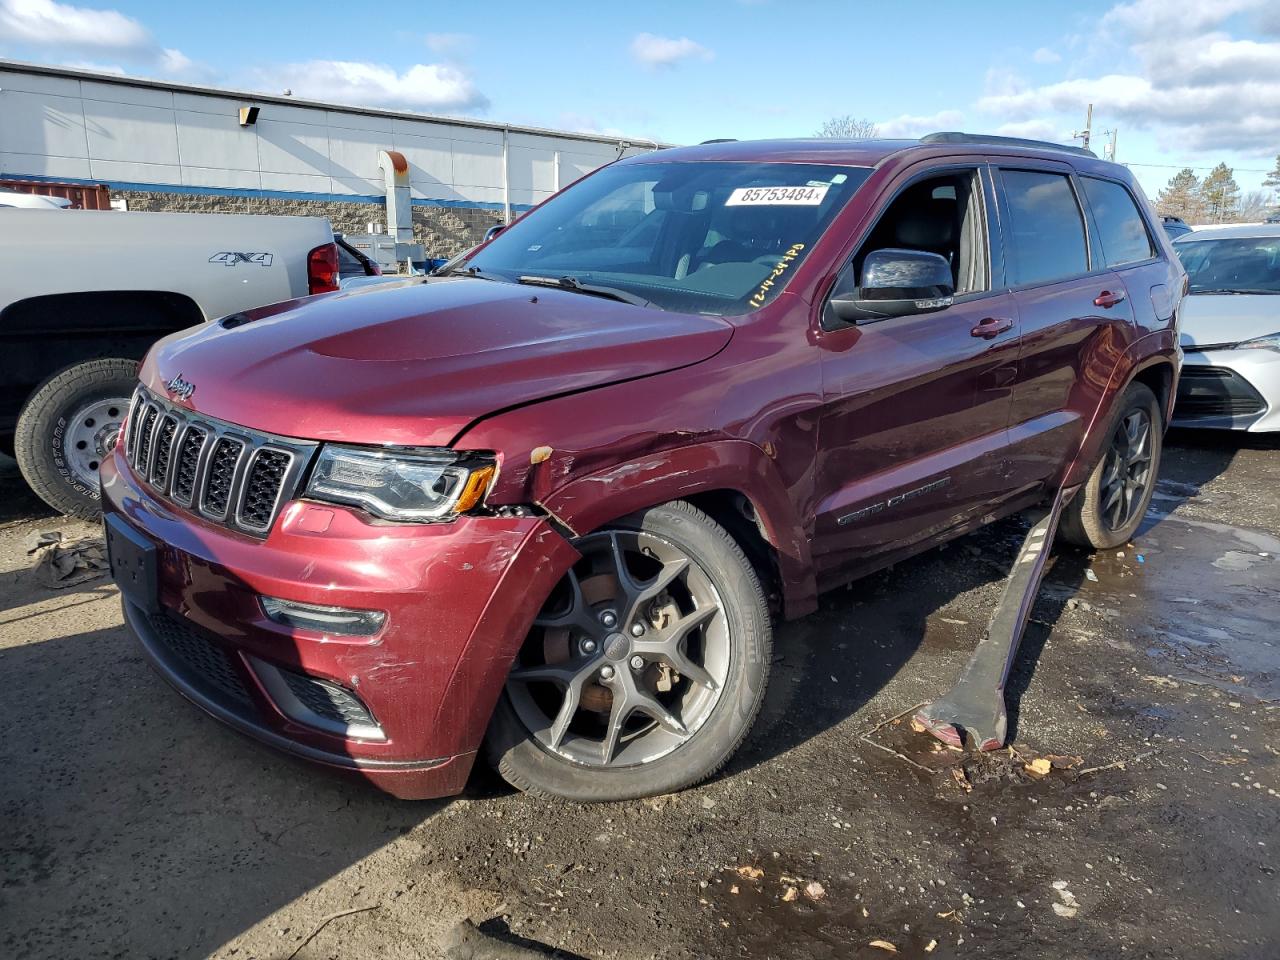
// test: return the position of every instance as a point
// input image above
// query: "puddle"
(1201, 596)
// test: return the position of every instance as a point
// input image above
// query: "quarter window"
(1121, 228)
(1046, 231)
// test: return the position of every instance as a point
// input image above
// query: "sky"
(1185, 83)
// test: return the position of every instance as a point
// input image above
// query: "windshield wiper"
(461, 271)
(1237, 291)
(577, 286)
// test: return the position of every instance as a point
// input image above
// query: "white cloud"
(63, 28)
(907, 126)
(44, 23)
(429, 86)
(1045, 55)
(1191, 83)
(654, 51)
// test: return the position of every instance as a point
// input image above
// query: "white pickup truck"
(84, 293)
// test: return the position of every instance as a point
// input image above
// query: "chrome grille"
(184, 480)
(222, 475)
(262, 488)
(164, 449)
(226, 473)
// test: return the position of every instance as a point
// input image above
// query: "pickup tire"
(1109, 508)
(68, 426)
(604, 705)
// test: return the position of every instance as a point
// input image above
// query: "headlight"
(1270, 342)
(400, 484)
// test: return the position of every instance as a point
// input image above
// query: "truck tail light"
(322, 269)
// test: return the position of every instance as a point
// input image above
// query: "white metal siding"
(72, 125)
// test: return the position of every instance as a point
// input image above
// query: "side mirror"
(493, 231)
(897, 283)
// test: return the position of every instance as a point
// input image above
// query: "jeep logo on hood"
(180, 389)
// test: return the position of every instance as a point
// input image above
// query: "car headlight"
(1269, 342)
(405, 485)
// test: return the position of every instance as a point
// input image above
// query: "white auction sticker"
(777, 196)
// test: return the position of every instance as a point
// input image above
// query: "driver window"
(941, 215)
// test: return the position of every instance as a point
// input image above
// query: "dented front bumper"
(405, 707)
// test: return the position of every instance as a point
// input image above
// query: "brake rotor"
(597, 591)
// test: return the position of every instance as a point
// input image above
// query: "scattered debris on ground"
(62, 563)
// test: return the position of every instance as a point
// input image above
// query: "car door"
(915, 410)
(1075, 314)
(1127, 242)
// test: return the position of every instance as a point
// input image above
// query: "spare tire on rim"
(646, 667)
(68, 426)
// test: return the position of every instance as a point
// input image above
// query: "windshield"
(1232, 264)
(693, 237)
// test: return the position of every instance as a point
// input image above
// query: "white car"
(32, 201)
(1230, 328)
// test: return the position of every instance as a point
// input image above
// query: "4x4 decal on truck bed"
(229, 258)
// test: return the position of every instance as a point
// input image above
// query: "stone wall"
(443, 231)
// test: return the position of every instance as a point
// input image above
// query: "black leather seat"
(929, 224)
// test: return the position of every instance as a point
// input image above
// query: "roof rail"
(719, 140)
(956, 137)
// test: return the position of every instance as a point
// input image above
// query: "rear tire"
(708, 716)
(1109, 508)
(68, 426)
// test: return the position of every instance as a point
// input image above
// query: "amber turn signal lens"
(477, 486)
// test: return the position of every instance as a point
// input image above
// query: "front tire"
(645, 669)
(1109, 508)
(68, 426)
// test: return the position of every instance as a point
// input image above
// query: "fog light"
(312, 616)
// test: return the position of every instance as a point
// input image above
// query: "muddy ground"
(133, 826)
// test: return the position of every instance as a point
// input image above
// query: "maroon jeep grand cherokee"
(551, 502)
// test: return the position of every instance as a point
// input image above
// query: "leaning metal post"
(976, 704)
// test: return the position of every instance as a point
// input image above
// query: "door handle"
(1107, 299)
(991, 327)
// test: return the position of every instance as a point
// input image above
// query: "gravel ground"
(132, 826)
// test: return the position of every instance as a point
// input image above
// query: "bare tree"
(849, 128)
(1254, 206)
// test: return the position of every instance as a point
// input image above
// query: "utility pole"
(1084, 135)
(1109, 149)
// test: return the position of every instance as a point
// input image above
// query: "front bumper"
(459, 598)
(1229, 390)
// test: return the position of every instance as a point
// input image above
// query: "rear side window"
(1046, 230)
(1120, 226)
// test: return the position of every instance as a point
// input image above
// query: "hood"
(416, 364)
(1213, 318)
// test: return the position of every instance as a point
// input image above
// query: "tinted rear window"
(1046, 232)
(1120, 226)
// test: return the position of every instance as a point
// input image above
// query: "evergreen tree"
(1273, 178)
(1181, 197)
(1221, 194)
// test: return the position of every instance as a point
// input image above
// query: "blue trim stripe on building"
(251, 193)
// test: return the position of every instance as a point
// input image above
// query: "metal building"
(170, 146)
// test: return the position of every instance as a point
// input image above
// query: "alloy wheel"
(628, 658)
(1127, 473)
